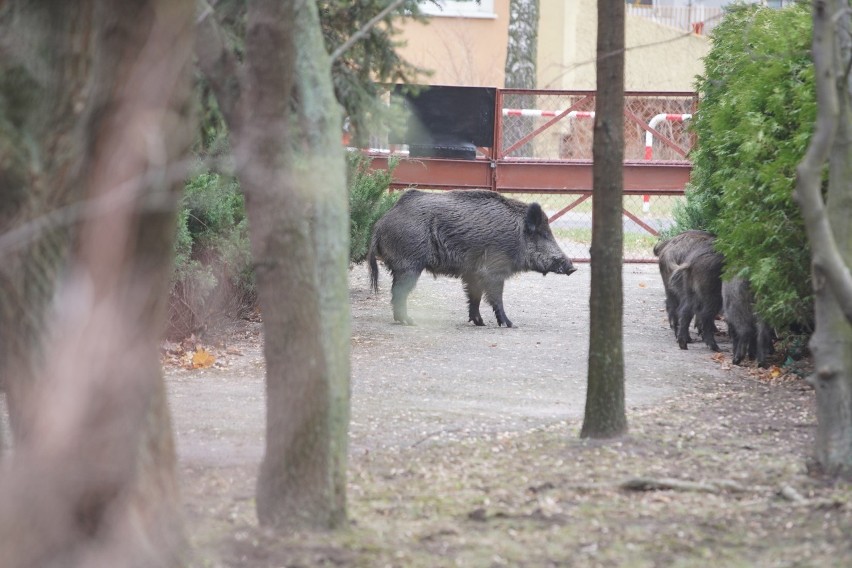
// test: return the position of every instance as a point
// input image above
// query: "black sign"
(448, 122)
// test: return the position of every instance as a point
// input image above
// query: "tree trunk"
(297, 210)
(828, 230)
(40, 46)
(92, 478)
(522, 47)
(521, 59)
(604, 414)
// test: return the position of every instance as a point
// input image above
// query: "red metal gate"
(543, 150)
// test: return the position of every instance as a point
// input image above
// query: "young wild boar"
(697, 283)
(749, 334)
(672, 253)
(478, 236)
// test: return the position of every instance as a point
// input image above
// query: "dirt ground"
(465, 449)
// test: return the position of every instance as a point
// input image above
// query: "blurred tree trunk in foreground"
(830, 234)
(604, 414)
(95, 99)
(285, 129)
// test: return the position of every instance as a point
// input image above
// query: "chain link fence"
(571, 222)
(559, 125)
(547, 127)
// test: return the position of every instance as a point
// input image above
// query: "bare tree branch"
(827, 260)
(365, 30)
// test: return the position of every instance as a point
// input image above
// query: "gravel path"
(445, 379)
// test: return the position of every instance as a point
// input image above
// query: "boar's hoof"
(405, 321)
(505, 321)
(477, 320)
(681, 344)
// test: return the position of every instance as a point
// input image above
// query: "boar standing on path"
(672, 253)
(478, 236)
(697, 284)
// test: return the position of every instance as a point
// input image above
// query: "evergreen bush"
(369, 199)
(754, 123)
(213, 282)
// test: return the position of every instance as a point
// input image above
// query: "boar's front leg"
(494, 295)
(403, 284)
(473, 288)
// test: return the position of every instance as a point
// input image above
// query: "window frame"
(459, 9)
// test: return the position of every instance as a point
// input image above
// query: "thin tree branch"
(365, 29)
(827, 259)
(119, 196)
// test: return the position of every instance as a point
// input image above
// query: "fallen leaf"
(643, 285)
(202, 359)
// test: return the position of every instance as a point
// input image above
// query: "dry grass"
(546, 498)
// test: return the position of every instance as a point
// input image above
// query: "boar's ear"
(534, 219)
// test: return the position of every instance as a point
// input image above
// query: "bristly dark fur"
(479, 236)
(749, 334)
(672, 253)
(697, 283)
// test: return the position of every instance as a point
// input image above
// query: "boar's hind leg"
(474, 296)
(403, 284)
(494, 295)
(684, 318)
(672, 309)
(737, 351)
(764, 343)
(707, 316)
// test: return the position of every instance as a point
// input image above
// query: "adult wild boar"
(697, 283)
(672, 253)
(478, 236)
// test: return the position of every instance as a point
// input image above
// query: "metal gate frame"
(497, 171)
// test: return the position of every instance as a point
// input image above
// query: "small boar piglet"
(750, 335)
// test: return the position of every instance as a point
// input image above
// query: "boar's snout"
(562, 266)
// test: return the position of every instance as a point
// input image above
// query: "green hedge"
(754, 123)
(213, 282)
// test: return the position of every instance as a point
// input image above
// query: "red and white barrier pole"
(649, 144)
(545, 113)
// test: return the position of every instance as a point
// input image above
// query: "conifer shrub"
(755, 119)
(213, 282)
(369, 199)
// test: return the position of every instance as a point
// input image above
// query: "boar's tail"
(374, 267)
(677, 280)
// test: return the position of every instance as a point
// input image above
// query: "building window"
(641, 2)
(459, 8)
